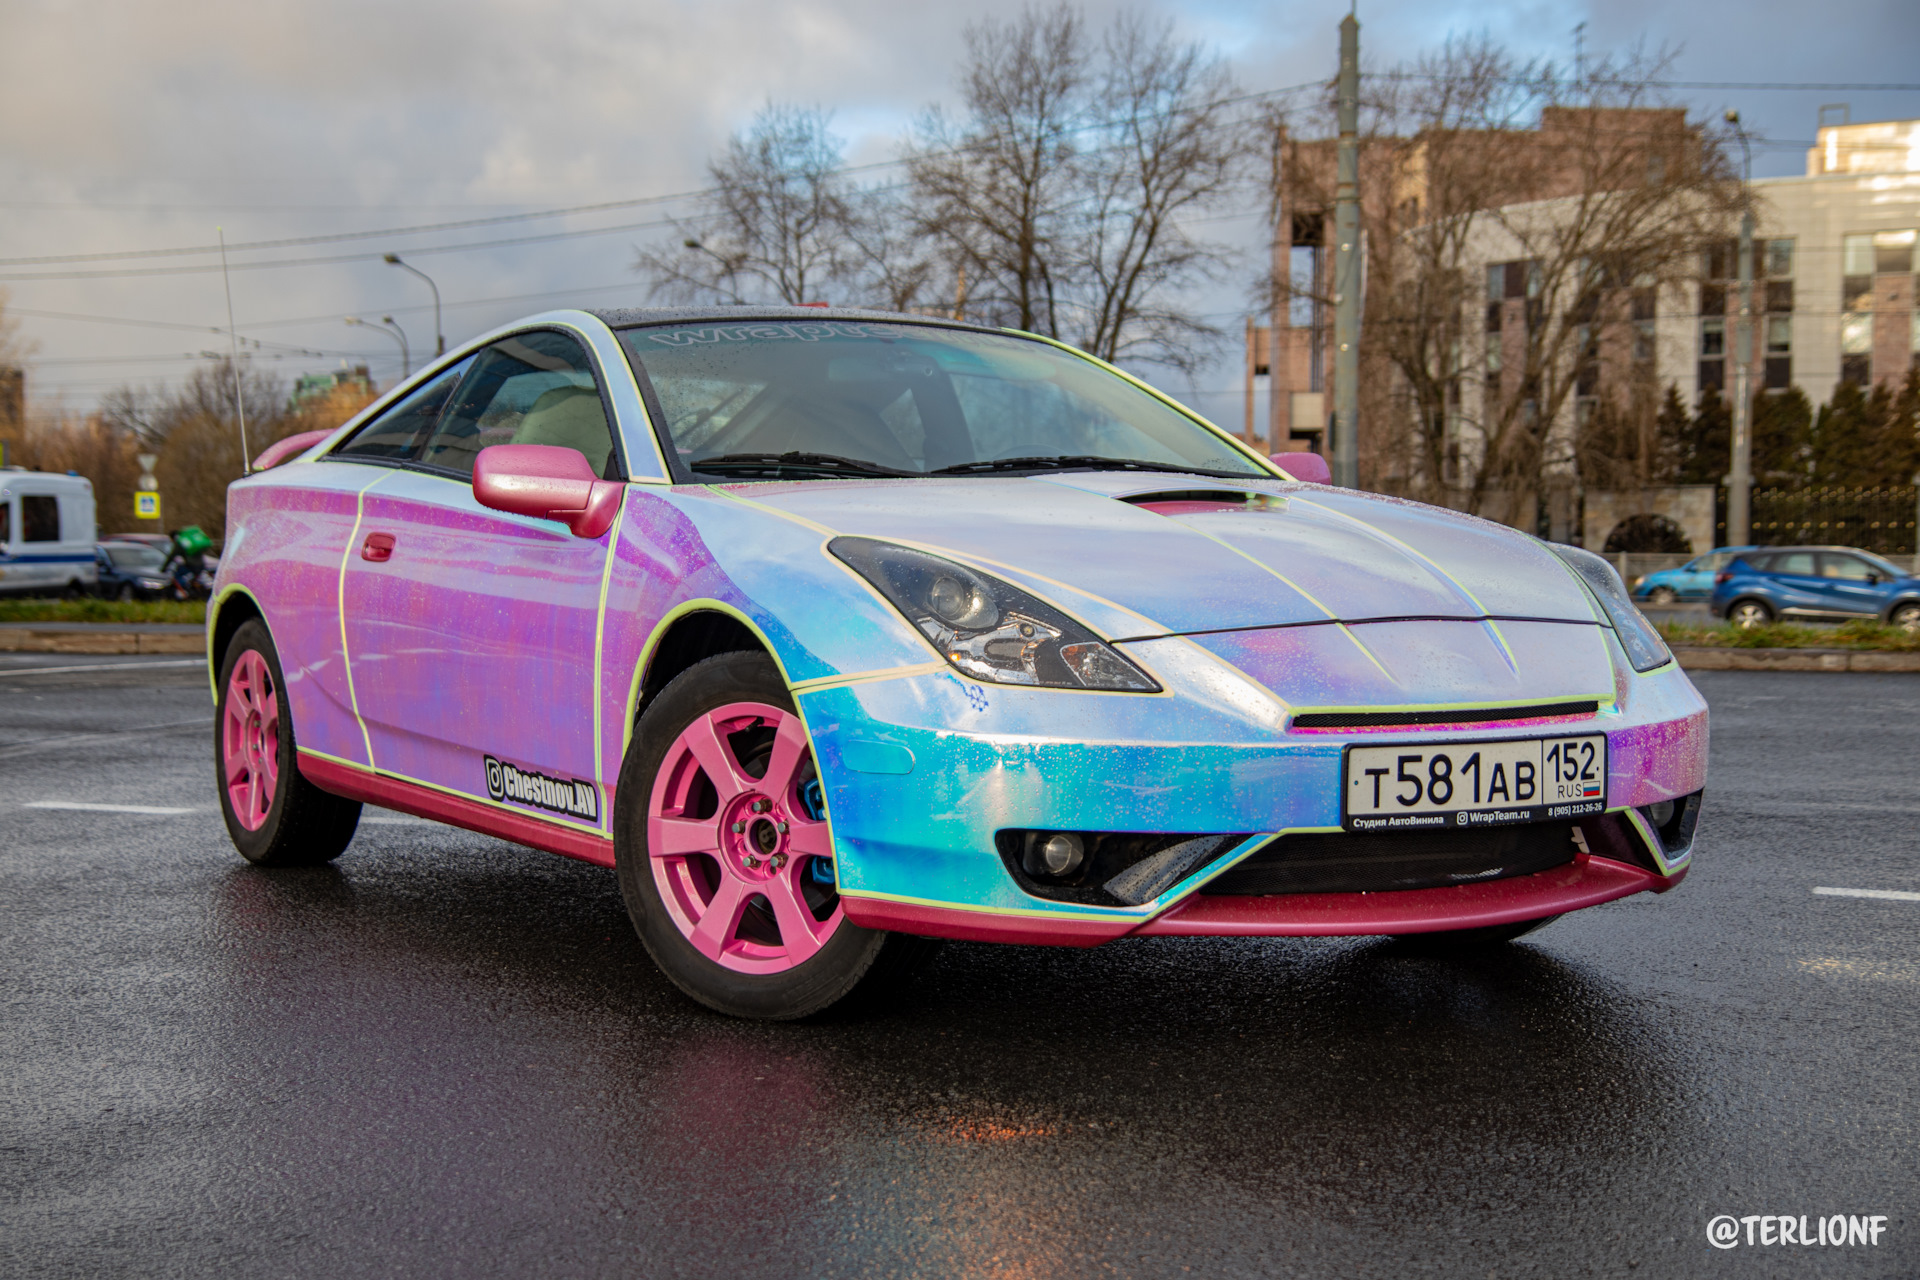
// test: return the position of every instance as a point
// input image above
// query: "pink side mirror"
(280, 450)
(547, 482)
(1308, 468)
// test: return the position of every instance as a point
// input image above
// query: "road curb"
(107, 639)
(1700, 658)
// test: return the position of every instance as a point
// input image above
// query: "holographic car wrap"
(492, 637)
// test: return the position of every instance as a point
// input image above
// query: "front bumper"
(921, 770)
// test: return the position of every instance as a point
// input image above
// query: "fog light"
(1659, 814)
(1059, 854)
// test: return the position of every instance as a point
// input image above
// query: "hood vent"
(1441, 715)
(1170, 502)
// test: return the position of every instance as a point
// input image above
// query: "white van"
(46, 533)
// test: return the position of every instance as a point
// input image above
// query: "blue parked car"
(1815, 582)
(1691, 581)
(131, 571)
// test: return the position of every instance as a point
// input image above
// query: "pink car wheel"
(722, 853)
(250, 740)
(275, 816)
(732, 842)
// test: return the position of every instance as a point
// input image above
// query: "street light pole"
(394, 331)
(1740, 479)
(439, 338)
(1346, 266)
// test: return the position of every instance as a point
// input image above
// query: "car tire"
(1749, 613)
(1906, 616)
(1458, 941)
(125, 594)
(719, 874)
(1663, 595)
(274, 815)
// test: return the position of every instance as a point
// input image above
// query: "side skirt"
(425, 802)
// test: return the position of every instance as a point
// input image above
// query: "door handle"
(378, 547)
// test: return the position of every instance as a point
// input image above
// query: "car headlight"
(153, 584)
(1644, 647)
(989, 629)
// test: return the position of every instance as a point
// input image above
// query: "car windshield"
(831, 399)
(132, 555)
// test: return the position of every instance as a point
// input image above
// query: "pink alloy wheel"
(250, 740)
(732, 845)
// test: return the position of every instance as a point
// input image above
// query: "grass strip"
(31, 610)
(1859, 635)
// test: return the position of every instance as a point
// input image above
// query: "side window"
(39, 517)
(397, 432)
(1795, 562)
(532, 388)
(1833, 565)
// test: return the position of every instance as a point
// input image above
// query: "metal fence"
(1880, 520)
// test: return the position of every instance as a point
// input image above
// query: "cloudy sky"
(141, 126)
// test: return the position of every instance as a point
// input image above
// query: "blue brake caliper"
(819, 870)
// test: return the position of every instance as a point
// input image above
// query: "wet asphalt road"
(448, 1056)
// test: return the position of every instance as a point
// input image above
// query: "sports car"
(836, 632)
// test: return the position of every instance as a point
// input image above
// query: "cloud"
(130, 125)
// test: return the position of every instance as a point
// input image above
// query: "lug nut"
(778, 860)
(759, 806)
(739, 828)
(752, 862)
(781, 827)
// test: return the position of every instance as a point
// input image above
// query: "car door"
(1795, 578)
(1852, 584)
(471, 632)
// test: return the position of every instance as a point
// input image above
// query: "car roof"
(1820, 547)
(628, 317)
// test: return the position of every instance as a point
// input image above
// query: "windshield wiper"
(1059, 461)
(818, 463)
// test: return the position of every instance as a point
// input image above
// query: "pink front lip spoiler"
(1585, 882)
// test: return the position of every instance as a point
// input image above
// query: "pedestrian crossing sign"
(146, 505)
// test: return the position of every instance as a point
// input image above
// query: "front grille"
(1442, 715)
(1372, 862)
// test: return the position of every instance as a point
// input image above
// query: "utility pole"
(1740, 479)
(1346, 266)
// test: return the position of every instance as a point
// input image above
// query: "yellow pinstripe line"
(346, 658)
(1415, 552)
(868, 677)
(599, 653)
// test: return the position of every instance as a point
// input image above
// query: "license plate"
(1430, 785)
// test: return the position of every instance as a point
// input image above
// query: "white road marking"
(104, 808)
(100, 666)
(1890, 895)
(34, 746)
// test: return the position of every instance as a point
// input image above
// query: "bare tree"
(1062, 196)
(776, 220)
(1520, 231)
(1170, 150)
(998, 188)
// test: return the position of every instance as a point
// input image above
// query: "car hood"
(1172, 554)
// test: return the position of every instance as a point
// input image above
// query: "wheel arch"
(1898, 602)
(227, 612)
(690, 632)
